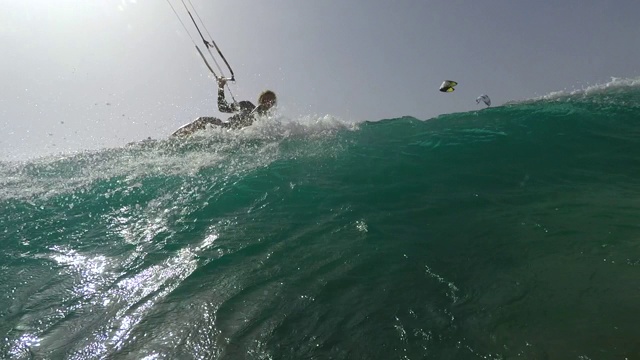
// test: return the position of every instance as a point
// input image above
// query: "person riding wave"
(245, 112)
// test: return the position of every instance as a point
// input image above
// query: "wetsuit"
(244, 111)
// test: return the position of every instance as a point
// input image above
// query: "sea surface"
(511, 232)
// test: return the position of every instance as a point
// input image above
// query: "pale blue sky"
(80, 74)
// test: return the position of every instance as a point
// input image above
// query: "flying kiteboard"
(485, 99)
(448, 86)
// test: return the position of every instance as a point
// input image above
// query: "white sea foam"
(613, 86)
(235, 151)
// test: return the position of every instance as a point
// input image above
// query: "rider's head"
(267, 100)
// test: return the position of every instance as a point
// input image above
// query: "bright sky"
(80, 74)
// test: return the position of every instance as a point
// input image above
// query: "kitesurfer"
(245, 112)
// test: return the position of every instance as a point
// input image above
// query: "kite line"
(208, 44)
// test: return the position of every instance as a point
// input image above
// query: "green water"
(510, 232)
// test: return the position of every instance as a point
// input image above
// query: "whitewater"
(507, 232)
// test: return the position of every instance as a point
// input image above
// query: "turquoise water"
(510, 232)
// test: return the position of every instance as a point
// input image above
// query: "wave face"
(510, 232)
